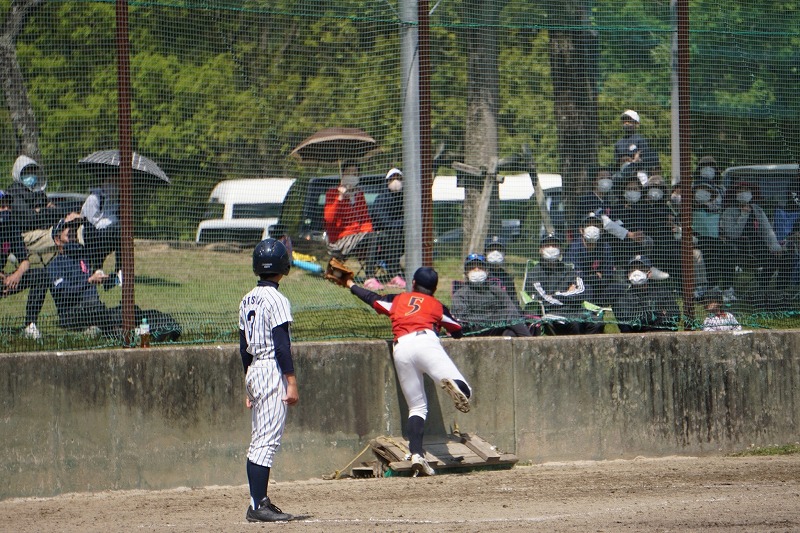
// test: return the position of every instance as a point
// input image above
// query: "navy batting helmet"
(270, 256)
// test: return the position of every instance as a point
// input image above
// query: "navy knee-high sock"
(257, 477)
(464, 387)
(415, 428)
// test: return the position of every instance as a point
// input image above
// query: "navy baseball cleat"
(267, 512)
(460, 400)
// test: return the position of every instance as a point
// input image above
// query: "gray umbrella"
(334, 145)
(110, 158)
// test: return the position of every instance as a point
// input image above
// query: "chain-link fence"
(286, 118)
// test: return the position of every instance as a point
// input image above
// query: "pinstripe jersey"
(261, 310)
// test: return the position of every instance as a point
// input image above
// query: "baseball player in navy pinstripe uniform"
(265, 347)
(417, 317)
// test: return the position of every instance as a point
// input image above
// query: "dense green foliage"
(227, 89)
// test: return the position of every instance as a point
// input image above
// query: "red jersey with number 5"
(414, 311)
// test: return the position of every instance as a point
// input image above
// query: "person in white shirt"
(718, 319)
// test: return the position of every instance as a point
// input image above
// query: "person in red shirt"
(417, 317)
(348, 224)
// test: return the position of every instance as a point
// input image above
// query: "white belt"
(414, 334)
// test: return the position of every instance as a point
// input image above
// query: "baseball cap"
(632, 115)
(593, 219)
(394, 174)
(58, 227)
(550, 238)
(640, 260)
(427, 278)
(495, 242)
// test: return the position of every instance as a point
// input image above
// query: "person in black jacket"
(560, 290)
(646, 305)
(483, 307)
(32, 211)
(387, 220)
(633, 150)
(494, 250)
(23, 277)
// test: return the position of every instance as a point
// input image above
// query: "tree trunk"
(23, 119)
(483, 94)
(574, 71)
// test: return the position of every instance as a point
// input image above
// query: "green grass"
(202, 288)
(786, 449)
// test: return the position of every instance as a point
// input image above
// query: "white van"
(515, 194)
(242, 210)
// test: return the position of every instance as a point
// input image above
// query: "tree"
(480, 136)
(574, 57)
(22, 114)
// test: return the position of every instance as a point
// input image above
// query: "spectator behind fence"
(560, 290)
(32, 211)
(661, 227)
(718, 319)
(627, 227)
(592, 261)
(753, 243)
(23, 277)
(387, 217)
(633, 150)
(348, 224)
(646, 305)
(707, 173)
(483, 306)
(101, 229)
(74, 289)
(706, 212)
(494, 250)
(599, 200)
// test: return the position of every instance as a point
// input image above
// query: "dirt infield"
(671, 494)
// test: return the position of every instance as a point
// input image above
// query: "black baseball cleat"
(267, 512)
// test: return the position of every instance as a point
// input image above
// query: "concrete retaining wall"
(166, 417)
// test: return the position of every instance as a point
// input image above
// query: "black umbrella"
(110, 158)
(334, 145)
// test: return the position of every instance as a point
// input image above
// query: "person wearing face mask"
(598, 200)
(483, 307)
(23, 277)
(645, 305)
(633, 150)
(591, 258)
(706, 213)
(706, 172)
(388, 221)
(348, 224)
(32, 211)
(661, 227)
(746, 228)
(494, 249)
(560, 291)
(627, 228)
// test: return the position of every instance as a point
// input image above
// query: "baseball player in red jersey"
(416, 319)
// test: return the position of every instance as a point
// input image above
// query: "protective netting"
(564, 109)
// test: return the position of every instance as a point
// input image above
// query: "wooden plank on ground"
(486, 451)
(455, 451)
